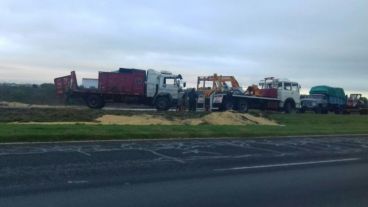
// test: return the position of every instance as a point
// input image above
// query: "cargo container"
(160, 89)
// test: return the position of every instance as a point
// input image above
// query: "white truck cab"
(288, 92)
(164, 88)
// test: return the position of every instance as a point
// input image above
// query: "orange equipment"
(253, 90)
(218, 84)
(356, 101)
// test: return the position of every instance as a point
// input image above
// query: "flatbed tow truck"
(224, 93)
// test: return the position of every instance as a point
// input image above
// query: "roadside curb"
(186, 139)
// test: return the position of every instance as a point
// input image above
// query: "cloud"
(313, 42)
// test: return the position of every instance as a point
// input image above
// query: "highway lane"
(170, 172)
(340, 185)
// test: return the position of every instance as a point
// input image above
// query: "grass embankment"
(76, 115)
(291, 124)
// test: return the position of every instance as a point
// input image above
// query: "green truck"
(324, 99)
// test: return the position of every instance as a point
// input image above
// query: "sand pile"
(19, 105)
(134, 120)
(6, 104)
(14, 105)
(219, 118)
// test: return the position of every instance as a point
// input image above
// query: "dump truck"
(161, 89)
(224, 93)
(323, 99)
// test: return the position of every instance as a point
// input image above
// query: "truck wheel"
(363, 111)
(339, 110)
(162, 104)
(318, 110)
(95, 102)
(243, 106)
(227, 105)
(302, 110)
(324, 111)
(288, 107)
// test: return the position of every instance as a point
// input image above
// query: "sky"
(312, 42)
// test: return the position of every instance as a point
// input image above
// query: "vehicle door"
(295, 94)
(284, 91)
(170, 86)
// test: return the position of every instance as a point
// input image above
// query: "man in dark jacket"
(193, 97)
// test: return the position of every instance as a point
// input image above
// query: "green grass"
(292, 124)
(76, 115)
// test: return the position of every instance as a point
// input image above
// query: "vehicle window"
(169, 81)
(295, 87)
(279, 86)
(208, 84)
(262, 85)
(287, 86)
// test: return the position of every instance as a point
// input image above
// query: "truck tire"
(288, 107)
(242, 106)
(162, 104)
(301, 110)
(363, 111)
(318, 110)
(95, 101)
(339, 110)
(324, 110)
(227, 105)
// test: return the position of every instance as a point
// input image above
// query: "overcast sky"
(312, 41)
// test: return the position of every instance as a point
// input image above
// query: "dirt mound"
(19, 105)
(220, 118)
(134, 120)
(14, 104)
(233, 118)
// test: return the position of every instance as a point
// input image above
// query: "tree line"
(43, 94)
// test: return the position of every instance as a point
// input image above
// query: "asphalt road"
(305, 171)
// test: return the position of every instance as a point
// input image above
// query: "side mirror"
(185, 84)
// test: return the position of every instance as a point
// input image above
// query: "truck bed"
(130, 82)
(256, 97)
(126, 81)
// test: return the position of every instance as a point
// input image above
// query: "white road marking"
(288, 164)
(165, 156)
(77, 182)
(84, 153)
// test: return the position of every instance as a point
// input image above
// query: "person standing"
(193, 97)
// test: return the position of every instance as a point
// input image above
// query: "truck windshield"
(287, 86)
(267, 84)
(169, 81)
(295, 87)
(173, 81)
